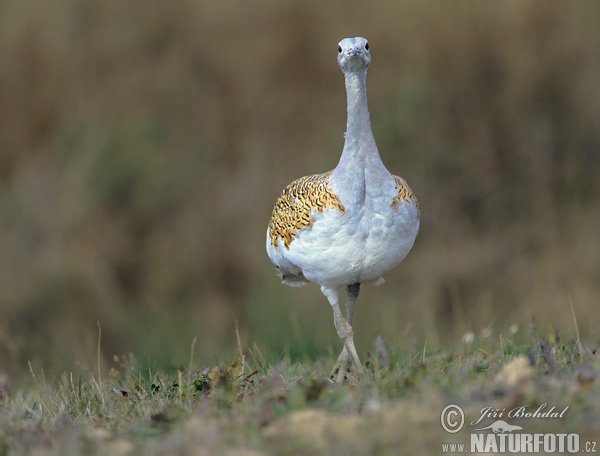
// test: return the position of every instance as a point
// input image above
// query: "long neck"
(358, 112)
(359, 148)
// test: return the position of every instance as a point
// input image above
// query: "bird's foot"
(345, 369)
(342, 369)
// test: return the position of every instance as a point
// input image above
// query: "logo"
(452, 418)
(500, 426)
(524, 411)
(502, 436)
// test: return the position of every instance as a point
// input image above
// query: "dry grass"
(254, 408)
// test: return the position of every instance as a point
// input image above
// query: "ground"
(290, 408)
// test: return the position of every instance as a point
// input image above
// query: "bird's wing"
(292, 210)
(404, 193)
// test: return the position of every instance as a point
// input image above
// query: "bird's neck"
(360, 150)
(359, 125)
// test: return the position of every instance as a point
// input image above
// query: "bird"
(350, 225)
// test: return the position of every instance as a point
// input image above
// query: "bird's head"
(353, 54)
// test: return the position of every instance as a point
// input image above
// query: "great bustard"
(350, 225)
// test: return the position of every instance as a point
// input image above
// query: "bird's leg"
(351, 295)
(341, 367)
(346, 335)
(344, 330)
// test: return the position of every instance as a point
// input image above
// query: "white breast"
(357, 246)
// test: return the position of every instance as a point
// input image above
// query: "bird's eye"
(339, 49)
(367, 46)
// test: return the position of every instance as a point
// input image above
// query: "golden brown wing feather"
(292, 210)
(404, 193)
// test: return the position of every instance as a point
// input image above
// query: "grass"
(250, 406)
(146, 143)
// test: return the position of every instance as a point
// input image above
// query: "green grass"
(250, 406)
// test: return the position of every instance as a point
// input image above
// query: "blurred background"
(143, 145)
